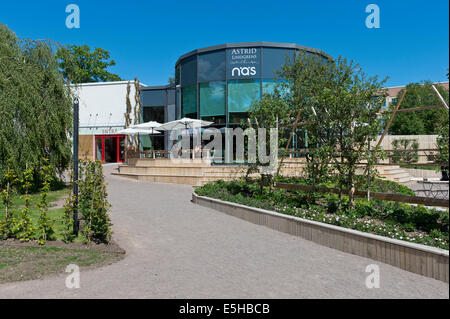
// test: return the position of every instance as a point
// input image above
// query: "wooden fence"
(381, 196)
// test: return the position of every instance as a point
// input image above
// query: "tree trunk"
(351, 194)
(7, 201)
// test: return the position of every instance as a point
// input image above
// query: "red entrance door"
(110, 148)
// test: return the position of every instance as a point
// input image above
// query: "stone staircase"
(395, 173)
(199, 172)
(191, 172)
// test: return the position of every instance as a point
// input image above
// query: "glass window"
(211, 66)
(121, 149)
(235, 119)
(171, 116)
(212, 99)
(189, 71)
(219, 120)
(177, 75)
(242, 93)
(99, 147)
(177, 104)
(154, 113)
(273, 59)
(268, 87)
(152, 97)
(189, 101)
(149, 142)
(170, 96)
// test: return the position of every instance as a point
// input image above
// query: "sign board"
(243, 63)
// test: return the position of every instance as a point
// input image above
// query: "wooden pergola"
(386, 129)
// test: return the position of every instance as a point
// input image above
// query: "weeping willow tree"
(35, 106)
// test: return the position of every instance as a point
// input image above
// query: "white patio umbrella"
(184, 123)
(134, 131)
(148, 126)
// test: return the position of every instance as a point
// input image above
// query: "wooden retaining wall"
(420, 259)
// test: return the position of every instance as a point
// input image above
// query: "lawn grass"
(28, 263)
(55, 213)
(53, 196)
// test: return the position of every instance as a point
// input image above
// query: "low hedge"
(376, 185)
(390, 219)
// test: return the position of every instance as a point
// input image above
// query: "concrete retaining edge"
(420, 259)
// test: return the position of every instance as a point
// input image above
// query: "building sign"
(243, 63)
(85, 130)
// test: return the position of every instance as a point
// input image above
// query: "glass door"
(110, 148)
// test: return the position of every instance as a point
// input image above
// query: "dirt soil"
(20, 261)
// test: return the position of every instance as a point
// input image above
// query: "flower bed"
(415, 224)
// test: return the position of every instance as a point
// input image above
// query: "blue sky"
(145, 38)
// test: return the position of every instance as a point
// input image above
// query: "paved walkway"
(176, 249)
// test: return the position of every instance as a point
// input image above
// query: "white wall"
(102, 106)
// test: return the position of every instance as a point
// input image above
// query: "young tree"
(271, 112)
(7, 224)
(443, 140)
(339, 105)
(24, 229)
(81, 65)
(45, 224)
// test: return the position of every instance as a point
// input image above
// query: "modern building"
(102, 110)
(218, 83)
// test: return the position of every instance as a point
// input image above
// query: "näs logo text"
(243, 71)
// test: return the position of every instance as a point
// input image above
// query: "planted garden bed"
(415, 224)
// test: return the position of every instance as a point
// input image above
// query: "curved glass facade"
(221, 83)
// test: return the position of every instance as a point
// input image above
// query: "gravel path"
(176, 249)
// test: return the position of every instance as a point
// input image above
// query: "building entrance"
(110, 148)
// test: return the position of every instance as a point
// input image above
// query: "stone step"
(188, 180)
(403, 180)
(171, 162)
(394, 171)
(404, 174)
(161, 170)
(382, 169)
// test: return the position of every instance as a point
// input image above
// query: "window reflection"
(242, 93)
(212, 99)
(211, 66)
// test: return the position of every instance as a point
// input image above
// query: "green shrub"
(364, 208)
(426, 219)
(24, 229)
(332, 204)
(93, 204)
(405, 151)
(45, 225)
(390, 219)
